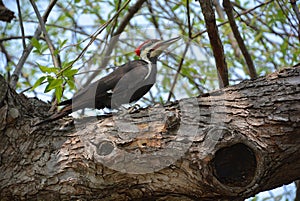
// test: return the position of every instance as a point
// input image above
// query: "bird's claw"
(134, 108)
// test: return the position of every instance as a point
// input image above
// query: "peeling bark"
(225, 145)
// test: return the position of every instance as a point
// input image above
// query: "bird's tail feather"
(62, 113)
(66, 102)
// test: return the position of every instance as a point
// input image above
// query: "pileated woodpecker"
(126, 84)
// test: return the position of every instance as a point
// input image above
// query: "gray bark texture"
(225, 145)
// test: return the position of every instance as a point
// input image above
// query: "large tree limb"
(226, 145)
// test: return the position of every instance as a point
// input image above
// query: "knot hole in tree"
(105, 148)
(235, 166)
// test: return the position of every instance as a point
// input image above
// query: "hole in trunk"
(235, 165)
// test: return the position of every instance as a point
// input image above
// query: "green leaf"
(62, 43)
(35, 43)
(53, 83)
(70, 72)
(65, 67)
(258, 36)
(67, 64)
(71, 84)
(43, 48)
(56, 52)
(58, 93)
(46, 69)
(176, 7)
(38, 82)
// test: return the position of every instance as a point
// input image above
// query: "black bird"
(128, 83)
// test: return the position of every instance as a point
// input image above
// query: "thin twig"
(285, 13)
(178, 71)
(21, 24)
(296, 10)
(153, 19)
(14, 37)
(254, 27)
(134, 9)
(228, 9)
(55, 57)
(116, 20)
(189, 18)
(237, 16)
(26, 52)
(93, 37)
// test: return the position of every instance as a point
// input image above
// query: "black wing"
(133, 85)
(127, 83)
(98, 95)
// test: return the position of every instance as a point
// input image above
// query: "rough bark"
(226, 145)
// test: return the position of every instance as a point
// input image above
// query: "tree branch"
(189, 19)
(178, 71)
(153, 19)
(237, 16)
(225, 145)
(228, 9)
(232, 41)
(55, 56)
(15, 37)
(21, 24)
(215, 42)
(296, 10)
(26, 52)
(134, 9)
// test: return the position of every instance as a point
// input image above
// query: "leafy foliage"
(268, 29)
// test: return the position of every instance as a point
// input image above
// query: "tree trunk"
(225, 145)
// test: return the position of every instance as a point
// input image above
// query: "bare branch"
(232, 41)
(215, 42)
(237, 16)
(178, 71)
(153, 19)
(228, 9)
(189, 18)
(134, 9)
(14, 37)
(55, 58)
(93, 37)
(26, 52)
(296, 10)
(21, 24)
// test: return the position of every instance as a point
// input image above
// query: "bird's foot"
(134, 108)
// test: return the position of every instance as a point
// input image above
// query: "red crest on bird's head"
(141, 46)
(153, 48)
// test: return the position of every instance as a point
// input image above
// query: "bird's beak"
(160, 46)
(167, 43)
